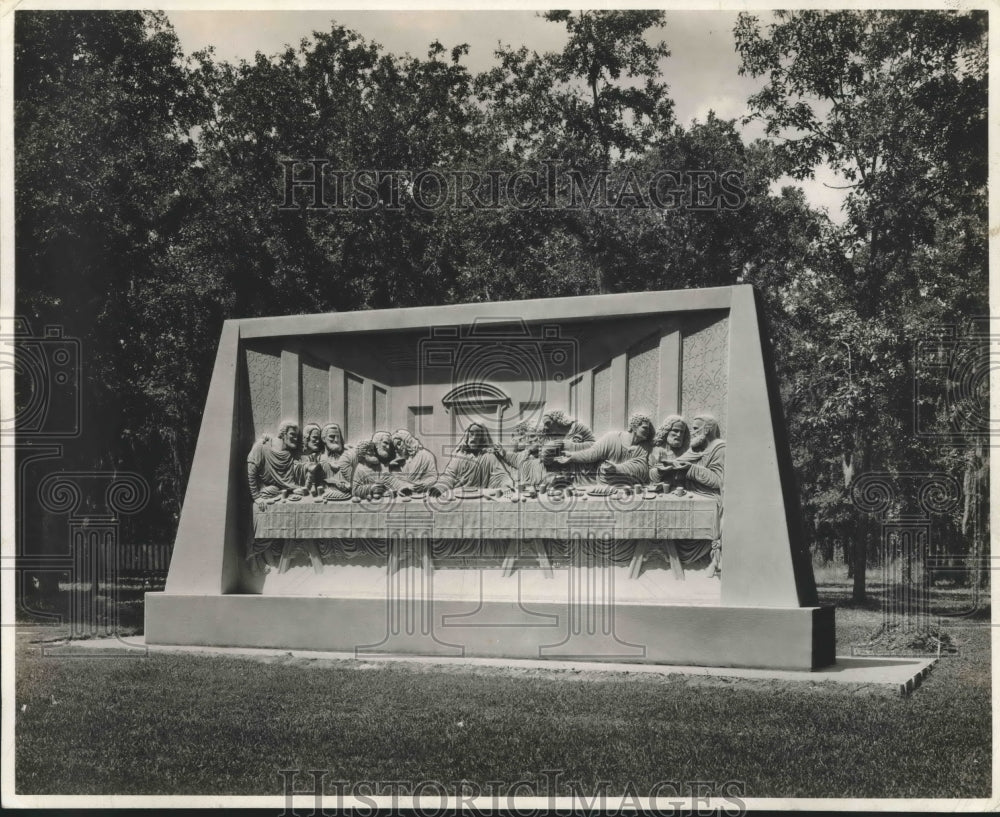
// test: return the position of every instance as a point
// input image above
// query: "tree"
(896, 102)
(598, 101)
(103, 112)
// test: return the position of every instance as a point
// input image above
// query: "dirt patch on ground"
(53, 640)
(572, 675)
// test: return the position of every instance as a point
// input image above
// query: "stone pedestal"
(783, 638)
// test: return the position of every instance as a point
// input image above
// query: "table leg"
(675, 560)
(425, 555)
(286, 557)
(317, 563)
(641, 550)
(510, 558)
(543, 558)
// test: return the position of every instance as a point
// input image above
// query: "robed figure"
(477, 463)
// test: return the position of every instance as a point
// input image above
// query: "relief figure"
(273, 469)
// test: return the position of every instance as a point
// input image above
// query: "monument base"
(701, 635)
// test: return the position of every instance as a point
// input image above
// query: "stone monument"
(601, 477)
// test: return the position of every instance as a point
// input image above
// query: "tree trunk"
(975, 517)
(859, 592)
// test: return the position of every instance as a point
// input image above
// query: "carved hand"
(562, 460)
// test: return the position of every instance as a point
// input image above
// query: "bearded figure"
(526, 459)
(574, 435)
(671, 440)
(372, 474)
(623, 456)
(273, 469)
(312, 449)
(416, 464)
(332, 461)
(704, 464)
(477, 463)
(704, 467)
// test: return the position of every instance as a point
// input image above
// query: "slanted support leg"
(515, 549)
(426, 562)
(641, 551)
(286, 557)
(510, 558)
(543, 558)
(675, 560)
(313, 552)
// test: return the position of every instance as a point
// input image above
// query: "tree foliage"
(896, 103)
(148, 187)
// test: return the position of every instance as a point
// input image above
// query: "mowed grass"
(172, 724)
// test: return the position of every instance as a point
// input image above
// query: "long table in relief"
(665, 518)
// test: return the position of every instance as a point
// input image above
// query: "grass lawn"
(173, 724)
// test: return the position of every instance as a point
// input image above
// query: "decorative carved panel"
(602, 399)
(380, 410)
(354, 410)
(705, 368)
(264, 378)
(315, 392)
(644, 376)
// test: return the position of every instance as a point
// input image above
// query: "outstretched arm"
(636, 470)
(598, 452)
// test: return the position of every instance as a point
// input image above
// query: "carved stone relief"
(705, 368)
(264, 378)
(315, 391)
(644, 375)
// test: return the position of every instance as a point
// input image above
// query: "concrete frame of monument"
(768, 615)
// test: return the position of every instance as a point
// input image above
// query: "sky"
(702, 70)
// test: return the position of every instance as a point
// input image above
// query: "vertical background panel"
(380, 409)
(353, 411)
(644, 377)
(315, 392)
(705, 367)
(602, 399)
(264, 380)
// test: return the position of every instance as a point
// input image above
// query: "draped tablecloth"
(665, 517)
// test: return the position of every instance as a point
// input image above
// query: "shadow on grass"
(944, 599)
(91, 613)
